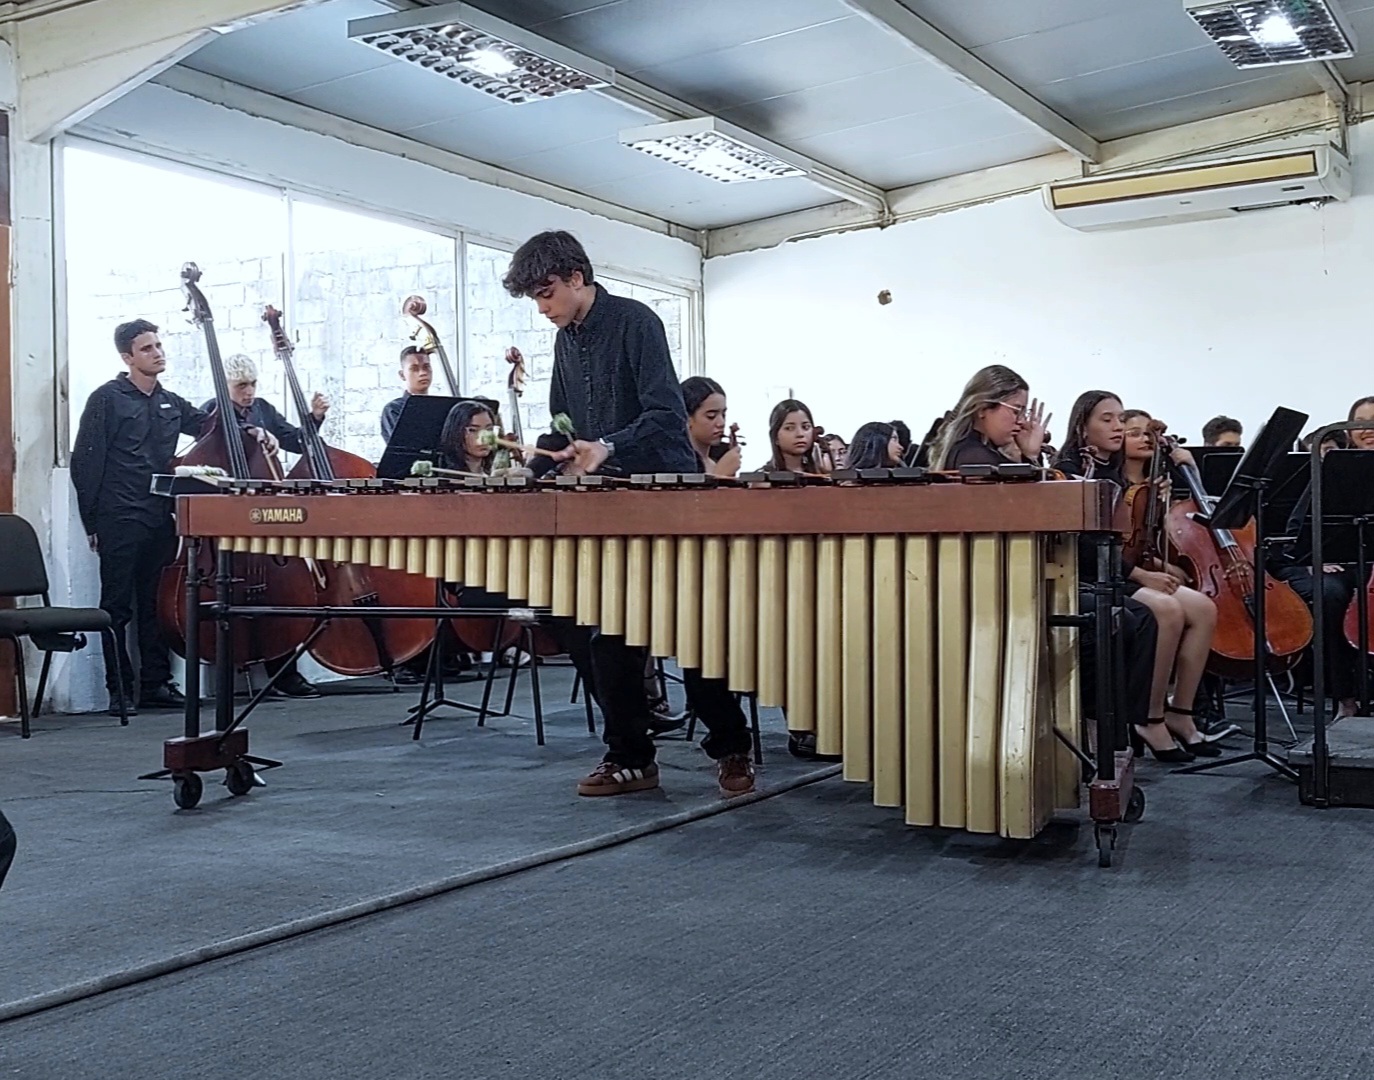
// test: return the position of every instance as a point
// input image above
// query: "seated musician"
(635, 420)
(875, 446)
(909, 449)
(417, 375)
(1338, 582)
(792, 439)
(254, 412)
(1222, 431)
(258, 413)
(1098, 441)
(705, 403)
(995, 423)
(465, 447)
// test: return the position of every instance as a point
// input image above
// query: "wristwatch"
(610, 447)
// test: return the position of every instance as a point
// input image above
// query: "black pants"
(1337, 591)
(619, 677)
(1139, 640)
(131, 560)
(576, 641)
(7, 846)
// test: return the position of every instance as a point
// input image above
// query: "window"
(496, 320)
(129, 228)
(351, 275)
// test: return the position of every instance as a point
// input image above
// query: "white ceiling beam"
(232, 95)
(659, 105)
(898, 19)
(1287, 120)
(74, 60)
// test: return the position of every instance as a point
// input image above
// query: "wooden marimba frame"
(917, 628)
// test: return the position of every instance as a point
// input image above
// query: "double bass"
(351, 646)
(425, 338)
(258, 580)
(1221, 564)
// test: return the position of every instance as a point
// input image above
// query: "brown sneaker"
(736, 775)
(608, 778)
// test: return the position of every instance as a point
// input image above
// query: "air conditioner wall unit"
(1201, 190)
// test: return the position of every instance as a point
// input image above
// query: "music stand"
(1242, 502)
(1290, 482)
(1321, 752)
(416, 436)
(1215, 464)
(1347, 514)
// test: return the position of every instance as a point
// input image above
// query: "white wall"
(1233, 316)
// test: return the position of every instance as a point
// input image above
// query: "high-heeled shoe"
(1174, 755)
(1201, 748)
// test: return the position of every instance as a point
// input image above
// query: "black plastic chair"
(51, 629)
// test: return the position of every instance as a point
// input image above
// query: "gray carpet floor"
(110, 874)
(806, 935)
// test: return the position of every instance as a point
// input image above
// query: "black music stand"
(418, 431)
(1321, 751)
(1347, 516)
(416, 435)
(1290, 483)
(1215, 464)
(1242, 502)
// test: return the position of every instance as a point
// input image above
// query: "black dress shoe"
(164, 696)
(404, 676)
(802, 744)
(130, 706)
(295, 686)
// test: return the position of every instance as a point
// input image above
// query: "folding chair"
(23, 574)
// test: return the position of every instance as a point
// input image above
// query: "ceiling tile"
(507, 132)
(919, 87)
(736, 76)
(269, 55)
(639, 34)
(975, 23)
(396, 97)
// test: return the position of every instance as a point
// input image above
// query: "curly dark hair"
(548, 255)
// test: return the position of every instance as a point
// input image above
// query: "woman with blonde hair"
(995, 423)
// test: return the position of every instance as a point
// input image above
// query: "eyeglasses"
(1021, 413)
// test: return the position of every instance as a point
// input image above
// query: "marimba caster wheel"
(1135, 805)
(187, 790)
(238, 778)
(1106, 842)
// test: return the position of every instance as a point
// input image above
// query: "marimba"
(910, 625)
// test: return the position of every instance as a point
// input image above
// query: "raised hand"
(1031, 435)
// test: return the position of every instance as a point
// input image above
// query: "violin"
(1144, 505)
(351, 646)
(1221, 564)
(258, 580)
(426, 340)
(515, 387)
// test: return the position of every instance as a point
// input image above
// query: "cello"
(351, 646)
(426, 340)
(258, 580)
(1221, 564)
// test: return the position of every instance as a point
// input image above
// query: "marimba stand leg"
(195, 752)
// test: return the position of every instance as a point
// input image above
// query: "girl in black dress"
(995, 423)
(1096, 444)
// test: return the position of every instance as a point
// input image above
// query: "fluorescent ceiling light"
(1258, 33)
(479, 50)
(711, 148)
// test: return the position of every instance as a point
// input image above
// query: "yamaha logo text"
(277, 515)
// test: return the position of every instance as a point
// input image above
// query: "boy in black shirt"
(613, 376)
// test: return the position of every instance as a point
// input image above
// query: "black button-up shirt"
(124, 437)
(613, 375)
(391, 412)
(263, 414)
